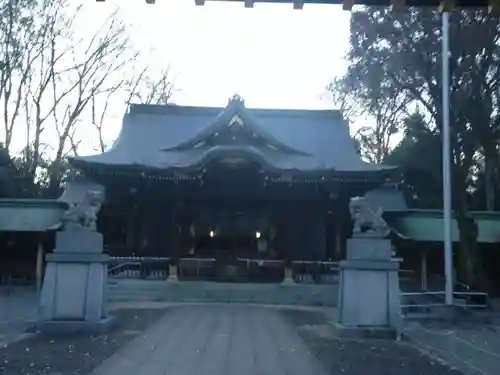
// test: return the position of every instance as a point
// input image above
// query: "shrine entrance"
(236, 241)
(242, 233)
(238, 245)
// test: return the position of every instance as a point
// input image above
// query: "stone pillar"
(288, 277)
(74, 291)
(369, 296)
(39, 265)
(172, 271)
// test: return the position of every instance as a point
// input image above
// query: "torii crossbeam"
(443, 5)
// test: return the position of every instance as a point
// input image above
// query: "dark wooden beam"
(443, 5)
(147, 1)
(494, 7)
(348, 4)
(398, 3)
(298, 4)
(446, 5)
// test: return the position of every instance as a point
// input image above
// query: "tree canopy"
(55, 81)
(395, 75)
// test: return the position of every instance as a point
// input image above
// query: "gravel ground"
(74, 354)
(361, 357)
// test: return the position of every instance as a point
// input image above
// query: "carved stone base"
(364, 332)
(75, 326)
(288, 277)
(172, 272)
(74, 291)
(369, 298)
(79, 240)
(369, 248)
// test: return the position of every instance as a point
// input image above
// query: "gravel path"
(360, 357)
(75, 354)
(18, 306)
(79, 354)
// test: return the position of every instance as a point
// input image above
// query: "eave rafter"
(442, 5)
(147, 1)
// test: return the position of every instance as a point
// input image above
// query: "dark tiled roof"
(165, 137)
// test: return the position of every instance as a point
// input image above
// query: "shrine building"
(185, 181)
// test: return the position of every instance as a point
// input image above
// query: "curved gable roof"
(238, 119)
(168, 137)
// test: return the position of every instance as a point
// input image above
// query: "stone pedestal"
(172, 272)
(74, 291)
(369, 299)
(288, 277)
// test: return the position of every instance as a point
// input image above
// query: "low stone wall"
(200, 291)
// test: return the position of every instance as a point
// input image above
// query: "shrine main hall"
(184, 181)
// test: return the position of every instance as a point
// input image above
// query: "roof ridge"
(156, 109)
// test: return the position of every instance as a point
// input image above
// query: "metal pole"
(448, 243)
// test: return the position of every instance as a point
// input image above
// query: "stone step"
(185, 291)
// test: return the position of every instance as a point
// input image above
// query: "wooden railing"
(17, 274)
(138, 267)
(315, 272)
(242, 270)
(196, 269)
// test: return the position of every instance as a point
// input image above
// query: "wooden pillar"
(423, 270)
(338, 237)
(340, 212)
(132, 230)
(39, 265)
(173, 238)
(145, 223)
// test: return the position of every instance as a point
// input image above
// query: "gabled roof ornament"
(235, 120)
(236, 98)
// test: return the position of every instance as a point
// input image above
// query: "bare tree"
(55, 79)
(20, 36)
(90, 75)
(343, 100)
(43, 71)
(143, 88)
(386, 107)
(99, 114)
(52, 75)
(377, 141)
(152, 89)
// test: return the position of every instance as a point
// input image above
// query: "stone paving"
(216, 340)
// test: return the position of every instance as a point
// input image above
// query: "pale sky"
(271, 55)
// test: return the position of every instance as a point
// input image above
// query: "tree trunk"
(490, 178)
(470, 268)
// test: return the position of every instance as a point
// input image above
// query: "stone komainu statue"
(83, 214)
(367, 222)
